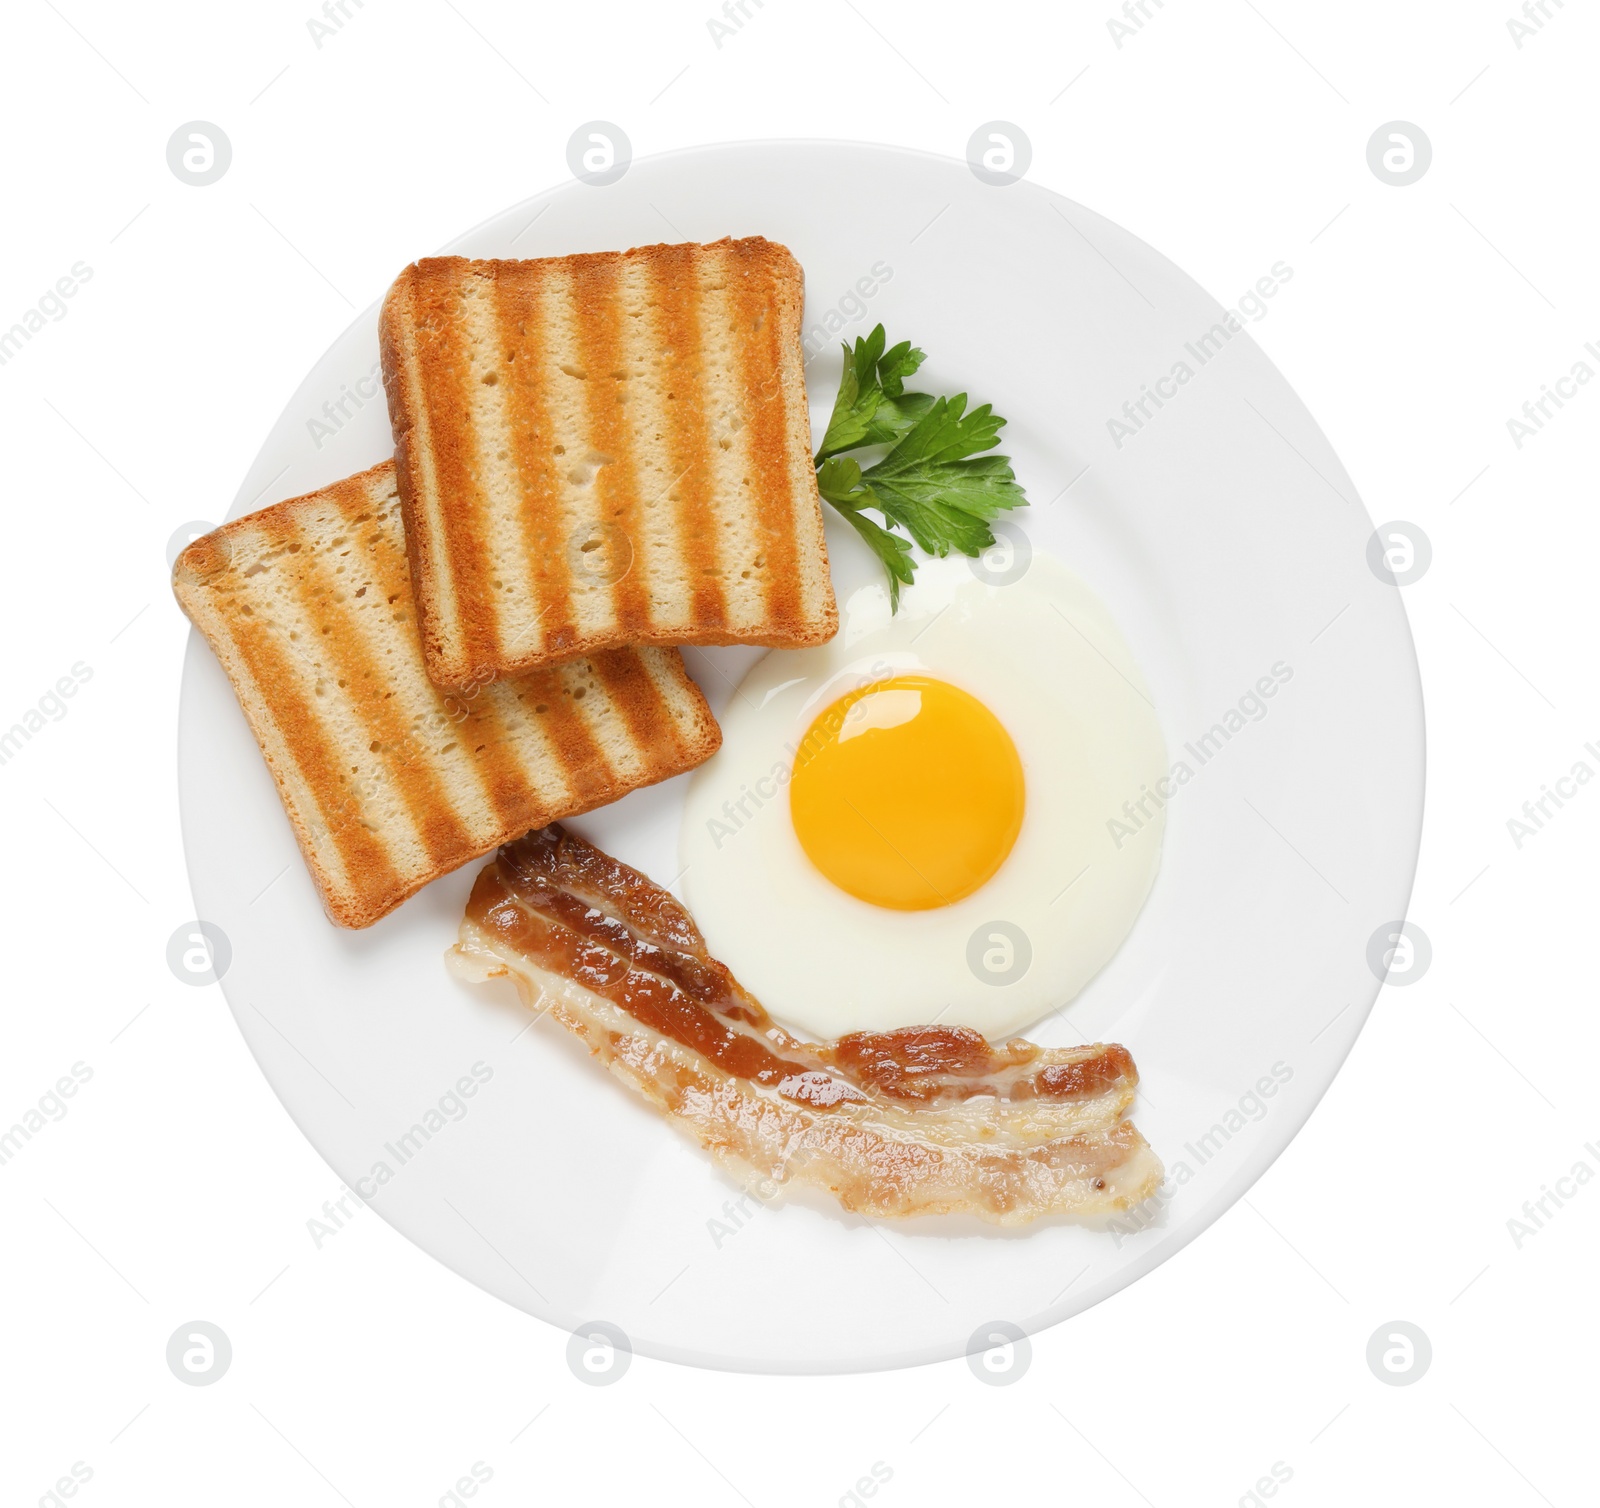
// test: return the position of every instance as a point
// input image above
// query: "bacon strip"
(923, 1120)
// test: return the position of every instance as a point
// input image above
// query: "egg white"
(1045, 657)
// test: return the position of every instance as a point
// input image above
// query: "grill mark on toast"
(761, 351)
(616, 483)
(511, 705)
(648, 692)
(637, 703)
(607, 725)
(590, 614)
(685, 703)
(658, 558)
(573, 747)
(363, 854)
(308, 814)
(521, 314)
(637, 699)
(738, 542)
(674, 275)
(490, 723)
(502, 512)
(406, 760)
(445, 376)
(417, 477)
(482, 759)
(311, 818)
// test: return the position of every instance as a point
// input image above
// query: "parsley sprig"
(933, 483)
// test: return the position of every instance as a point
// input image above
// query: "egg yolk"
(907, 793)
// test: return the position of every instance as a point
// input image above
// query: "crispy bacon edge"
(923, 1120)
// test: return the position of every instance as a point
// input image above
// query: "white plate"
(1226, 539)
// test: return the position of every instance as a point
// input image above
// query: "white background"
(1228, 134)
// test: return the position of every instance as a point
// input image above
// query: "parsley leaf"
(896, 416)
(934, 483)
(839, 481)
(872, 407)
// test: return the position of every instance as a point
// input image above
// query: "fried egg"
(925, 820)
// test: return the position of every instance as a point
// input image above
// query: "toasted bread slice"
(602, 450)
(390, 782)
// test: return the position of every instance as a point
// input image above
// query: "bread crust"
(484, 452)
(388, 781)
